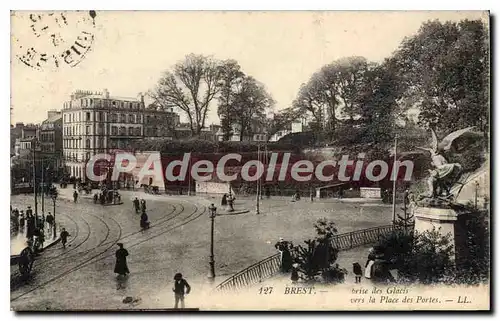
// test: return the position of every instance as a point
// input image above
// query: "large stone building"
(51, 141)
(99, 123)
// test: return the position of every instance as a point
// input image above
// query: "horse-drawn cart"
(24, 261)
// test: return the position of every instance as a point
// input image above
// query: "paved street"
(81, 276)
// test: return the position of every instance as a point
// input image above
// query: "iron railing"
(270, 266)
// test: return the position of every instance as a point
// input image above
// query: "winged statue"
(444, 175)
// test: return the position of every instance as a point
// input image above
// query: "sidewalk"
(18, 242)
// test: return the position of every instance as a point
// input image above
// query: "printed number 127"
(266, 290)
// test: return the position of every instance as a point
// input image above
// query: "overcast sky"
(280, 49)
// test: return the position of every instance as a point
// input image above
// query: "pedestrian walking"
(121, 267)
(22, 221)
(223, 202)
(180, 289)
(30, 226)
(230, 202)
(75, 196)
(50, 221)
(143, 205)
(268, 192)
(295, 273)
(358, 272)
(136, 205)
(144, 221)
(64, 237)
(96, 198)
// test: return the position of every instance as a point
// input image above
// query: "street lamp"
(212, 210)
(476, 187)
(54, 198)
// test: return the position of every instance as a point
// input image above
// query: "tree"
(249, 105)
(191, 87)
(445, 69)
(319, 255)
(420, 257)
(350, 92)
(231, 79)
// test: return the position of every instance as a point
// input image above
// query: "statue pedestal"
(443, 220)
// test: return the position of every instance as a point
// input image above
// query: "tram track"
(99, 256)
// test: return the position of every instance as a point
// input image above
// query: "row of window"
(47, 137)
(96, 102)
(113, 118)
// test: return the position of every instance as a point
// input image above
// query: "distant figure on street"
(40, 238)
(286, 258)
(358, 272)
(295, 273)
(121, 267)
(223, 202)
(143, 205)
(75, 196)
(22, 221)
(181, 288)
(136, 205)
(30, 226)
(230, 202)
(64, 237)
(268, 192)
(96, 198)
(50, 220)
(144, 221)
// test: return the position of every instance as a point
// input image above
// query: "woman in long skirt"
(121, 267)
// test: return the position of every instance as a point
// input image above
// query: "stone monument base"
(443, 220)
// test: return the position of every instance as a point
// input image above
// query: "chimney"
(105, 93)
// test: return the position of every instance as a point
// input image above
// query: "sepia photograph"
(250, 161)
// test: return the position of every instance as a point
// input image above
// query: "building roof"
(111, 98)
(52, 119)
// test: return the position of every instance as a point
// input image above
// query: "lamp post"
(257, 209)
(395, 178)
(54, 198)
(34, 146)
(476, 191)
(212, 210)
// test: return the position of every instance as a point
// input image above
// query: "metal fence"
(253, 274)
(270, 266)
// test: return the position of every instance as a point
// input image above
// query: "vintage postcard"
(257, 161)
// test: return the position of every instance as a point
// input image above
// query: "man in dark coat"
(50, 220)
(144, 221)
(64, 237)
(286, 258)
(181, 287)
(143, 205)
(121, 267)
(75, 196)
(136, 205)
(224, 200)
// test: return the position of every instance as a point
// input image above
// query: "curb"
(234, 213)
(54, 242)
